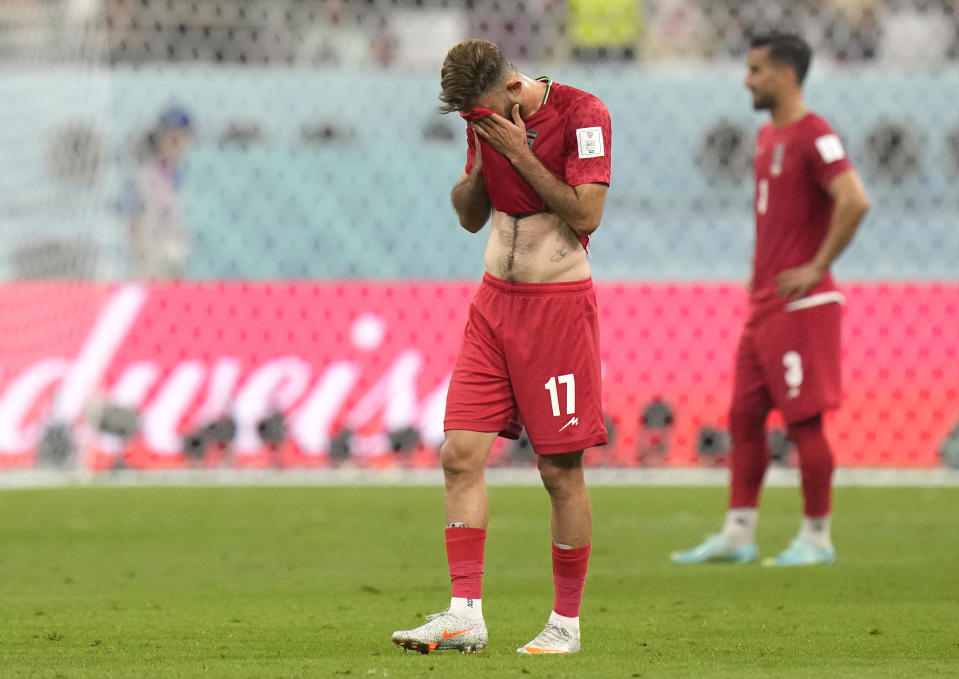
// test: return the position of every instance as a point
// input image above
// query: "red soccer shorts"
(530, 356)
(790, 360)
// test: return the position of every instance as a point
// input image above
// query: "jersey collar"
(549, 85)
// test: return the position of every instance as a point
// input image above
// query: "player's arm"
(579, 206)
(469, 197)
(850, 204)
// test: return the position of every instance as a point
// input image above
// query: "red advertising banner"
(295, 374)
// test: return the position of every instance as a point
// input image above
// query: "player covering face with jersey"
(808, 204)
(537, 169)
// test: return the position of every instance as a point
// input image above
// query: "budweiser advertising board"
(373, 358)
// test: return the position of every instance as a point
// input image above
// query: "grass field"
(310, 582)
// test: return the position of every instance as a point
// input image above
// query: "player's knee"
(561, 475)
(458, 459)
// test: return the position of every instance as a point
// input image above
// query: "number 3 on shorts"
(570, 383)
(792, 362)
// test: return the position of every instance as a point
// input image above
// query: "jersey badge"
(590, 142)
(776, 165)
(531, 138)
(830, 148)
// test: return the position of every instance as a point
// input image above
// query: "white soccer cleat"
(444, 632)
(553, 639)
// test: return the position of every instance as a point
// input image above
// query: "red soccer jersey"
(570, 134)
(793, 167)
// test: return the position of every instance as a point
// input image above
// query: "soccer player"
(537, 168)
(808, 203)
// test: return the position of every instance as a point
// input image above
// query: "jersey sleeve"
(589, 141)
(470, 148)
(826, 153)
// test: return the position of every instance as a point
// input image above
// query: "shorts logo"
(574, 421)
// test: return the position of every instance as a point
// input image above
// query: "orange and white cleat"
(444, 632)
(554, 639)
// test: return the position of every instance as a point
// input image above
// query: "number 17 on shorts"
(552, 386)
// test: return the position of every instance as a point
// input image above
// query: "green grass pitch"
(311, 581)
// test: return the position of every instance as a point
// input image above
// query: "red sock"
(464, 553)
(569, 578)
(750, 458)
(815, 466)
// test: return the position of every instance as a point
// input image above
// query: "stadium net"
(228, 240)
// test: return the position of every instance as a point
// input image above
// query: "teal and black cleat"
(714, 550)
(802, 553)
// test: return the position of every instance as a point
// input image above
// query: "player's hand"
(478, 157)
(799, 281)
(507, 137)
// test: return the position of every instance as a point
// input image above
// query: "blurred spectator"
(122, 31)
(852, 29)
(158, 237)
(601, 29)
(358, 34)
(423, 34)
(338, 36)
(714, 29)
(918, 32)
(736, 21)
(952, 11)
(527, 29)
(677, 29)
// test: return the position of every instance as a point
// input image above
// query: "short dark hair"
(786, 49)
(471, 69)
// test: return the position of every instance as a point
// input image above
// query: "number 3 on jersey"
(551, 387)
(762, 196)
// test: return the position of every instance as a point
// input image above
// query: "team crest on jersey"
(776, 165)
(531, 137)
